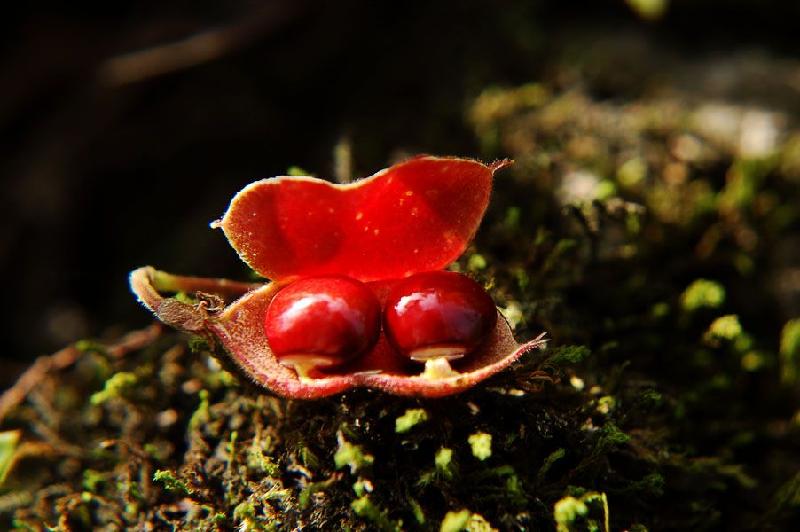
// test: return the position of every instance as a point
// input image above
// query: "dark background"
(125, 131)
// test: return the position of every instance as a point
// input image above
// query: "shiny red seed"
(438, 314)
(322, 322)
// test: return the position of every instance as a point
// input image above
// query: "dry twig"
(65, 358)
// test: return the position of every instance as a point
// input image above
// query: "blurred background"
(127, 129)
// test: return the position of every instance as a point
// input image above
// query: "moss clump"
(170, 482)
(366, 509)
(409, 420)
(703, 293)
(444, 461)
(724, 328)
(465, 520)
(587, 512)
(350, 455)
(481, 445)
(114, 387)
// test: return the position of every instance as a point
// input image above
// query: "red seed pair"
(327, 322)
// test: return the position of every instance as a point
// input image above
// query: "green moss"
(512, 219)
(8, 448)
(260, 462)
(790, 352)
(649, 9)
(115, 387)
(417, 511)
(90, 346)
(724, 328)
(198, 344)
(476, 262)
(93, 479)
(201, 414)
(744, 180)
(567, 511)
(605, 190)
(786, 500)
(568, 355)
(703, 293)
(350, 455)
(411, 418)
(250, 517)
(443, 460)
(481, 445)
(455, 521)
(361, 487)
(304, 497)
(297, 171)
(609, 437)
(514, 491)
(632, 172)
(588, 511)
(606, 404)
(551, 459)
(651, 485)
(171, 482)
(366, 509)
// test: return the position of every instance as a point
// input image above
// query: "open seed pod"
(416, 216)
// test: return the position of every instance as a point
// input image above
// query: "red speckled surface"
(416, 216)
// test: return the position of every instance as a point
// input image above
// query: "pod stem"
(167, 282)
(150, 284)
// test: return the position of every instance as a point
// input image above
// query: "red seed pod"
(384, 230)
(438, 314)
(322, 322)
